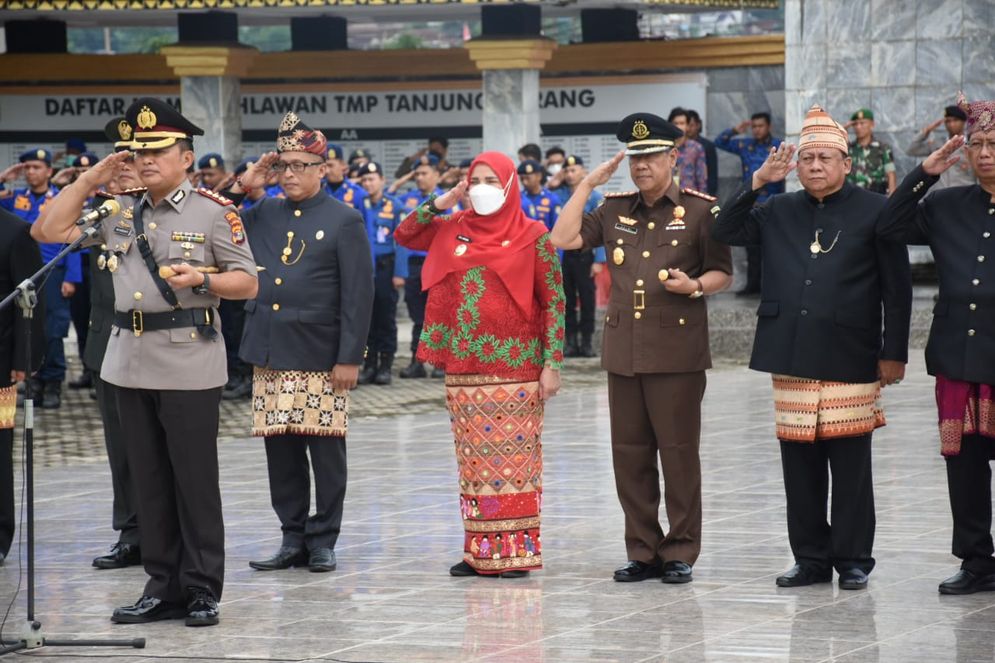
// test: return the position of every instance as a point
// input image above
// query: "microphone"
(108, 208)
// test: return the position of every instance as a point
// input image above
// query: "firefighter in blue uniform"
(337, 185)
(35, 166)
(426, 175)
(537, 201)
(383, 214)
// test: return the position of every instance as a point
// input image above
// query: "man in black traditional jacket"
(958, 223)
(305, 335)
(20, 257)
(828, 273)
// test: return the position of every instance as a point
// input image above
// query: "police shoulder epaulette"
(699, 194)
(216, 197)
(137, 191)
(620, 194)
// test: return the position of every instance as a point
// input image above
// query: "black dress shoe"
(321, 560)
(968, 582)
(284, 558)
(514, 574)
(122, 555)
(415, 369)
(853, 579)
(800, 576)
(676, 572)
(462, 570)
(148, 609)
(202, 607)
(635, 571)
(84, 381)
(243, 389)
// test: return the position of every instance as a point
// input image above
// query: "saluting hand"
(104, 171)
(12, 172)
(255, 175)
(779, 163)
(604, 172)
(930, 128)
(943, 158)
(451, 197)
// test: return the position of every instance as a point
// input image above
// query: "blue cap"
(212, 160)
(573, 160)
(36, 154)
(529, 166)
(335, 152)
(76, 144)
(244, 164)
(84, 160)
(360, 154)
(426, 160)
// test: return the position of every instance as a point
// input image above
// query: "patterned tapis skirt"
(807, 410)
(498, 429)
(297, 403)
(8, 406)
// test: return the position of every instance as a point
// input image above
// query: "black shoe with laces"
(121, 555)
(148, 609)
(202, 607)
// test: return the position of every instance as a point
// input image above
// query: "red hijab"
(502, 241)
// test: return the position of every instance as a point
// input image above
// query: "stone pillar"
(210, 93)
(510, 70)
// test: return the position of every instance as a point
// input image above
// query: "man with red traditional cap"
(305, 334)
(958, 223)
(827, 275)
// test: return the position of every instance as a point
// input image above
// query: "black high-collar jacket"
(820, 314)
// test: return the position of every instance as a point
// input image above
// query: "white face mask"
(554, 168)
(487, 198)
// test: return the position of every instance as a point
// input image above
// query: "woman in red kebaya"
(494, 322)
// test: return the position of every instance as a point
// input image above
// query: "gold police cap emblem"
(372, 168)
(213, 163)
(639, 130)
(146, 118)
(40, 154)
(124, 130)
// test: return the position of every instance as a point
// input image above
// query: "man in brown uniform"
(662, 261)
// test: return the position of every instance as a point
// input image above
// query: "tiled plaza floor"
(392, 599)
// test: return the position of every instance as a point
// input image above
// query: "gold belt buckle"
(638, 300)
(137, 324)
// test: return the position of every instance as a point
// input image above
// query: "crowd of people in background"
(548, 179)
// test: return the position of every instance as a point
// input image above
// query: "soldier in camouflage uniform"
(873, 166)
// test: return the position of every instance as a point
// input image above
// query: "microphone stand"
(32, 637)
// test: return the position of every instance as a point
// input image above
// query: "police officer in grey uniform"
(173, 254)
(124, 519)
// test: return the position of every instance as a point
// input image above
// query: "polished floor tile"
(391, 598)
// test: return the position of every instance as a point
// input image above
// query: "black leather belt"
(137, 321)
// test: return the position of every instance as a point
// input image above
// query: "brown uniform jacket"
(647, 328)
